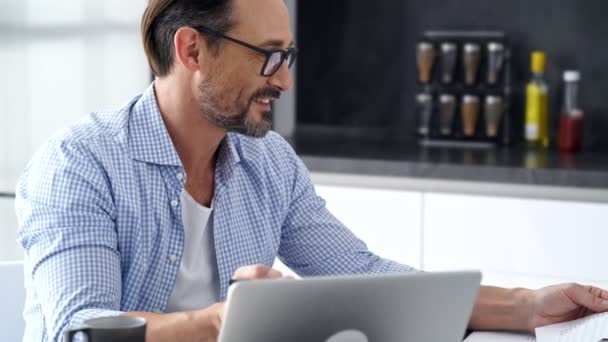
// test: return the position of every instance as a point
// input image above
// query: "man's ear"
(188, 48)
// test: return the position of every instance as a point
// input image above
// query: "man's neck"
(195, 140)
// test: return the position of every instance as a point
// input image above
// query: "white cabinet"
(387, 221)
(9, 249)
(514, 240)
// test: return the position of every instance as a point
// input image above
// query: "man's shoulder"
(85, 149)
(86, 145)
(109, 127)
(98, 125)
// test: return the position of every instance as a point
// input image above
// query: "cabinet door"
(387, 221)
(511, 239)
(9, 248)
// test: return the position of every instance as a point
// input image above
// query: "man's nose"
(282, 79)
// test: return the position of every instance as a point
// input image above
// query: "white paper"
(589, 329)
(482, 336)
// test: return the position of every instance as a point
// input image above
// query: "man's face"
(234, 95)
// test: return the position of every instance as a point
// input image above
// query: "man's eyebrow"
(277, 43)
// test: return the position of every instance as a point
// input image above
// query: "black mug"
(115, 329)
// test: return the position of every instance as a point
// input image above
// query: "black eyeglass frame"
(290, 52)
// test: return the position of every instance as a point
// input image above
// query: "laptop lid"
(387, 308)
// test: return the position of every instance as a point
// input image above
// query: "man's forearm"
(501, 309)
(190, 326)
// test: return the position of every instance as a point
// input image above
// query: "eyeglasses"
(274, 58)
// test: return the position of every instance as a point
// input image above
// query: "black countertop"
(332, 153)
(514, 165)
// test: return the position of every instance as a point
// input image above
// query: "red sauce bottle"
(571, 118)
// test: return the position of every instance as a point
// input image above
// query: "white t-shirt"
(197, 283)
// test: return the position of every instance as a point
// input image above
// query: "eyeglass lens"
(275, 60)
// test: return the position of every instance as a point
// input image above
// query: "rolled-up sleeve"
(314, 242)
(66, 227)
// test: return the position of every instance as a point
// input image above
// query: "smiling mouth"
(265, 101)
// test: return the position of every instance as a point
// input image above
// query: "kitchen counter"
(405, 164)
(537, 173)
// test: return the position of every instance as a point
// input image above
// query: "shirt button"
(173, 258)
(174, 203)
(180, 176)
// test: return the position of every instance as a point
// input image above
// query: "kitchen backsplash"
(357, 69)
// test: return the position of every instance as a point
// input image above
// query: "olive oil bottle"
(537, 104)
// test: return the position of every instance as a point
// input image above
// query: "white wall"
(60, 60)
(285, 109)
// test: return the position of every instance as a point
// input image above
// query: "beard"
(235, 116)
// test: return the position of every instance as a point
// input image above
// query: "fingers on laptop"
(256, 272)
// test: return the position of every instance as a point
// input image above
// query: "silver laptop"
(417, 307)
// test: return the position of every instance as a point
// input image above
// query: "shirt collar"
(149, 140)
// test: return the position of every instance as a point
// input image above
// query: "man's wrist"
(524, 309)
(503, 309)
(214, 317)
(521, 303)
(193, 326)
(207, 322)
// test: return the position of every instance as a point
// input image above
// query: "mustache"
(266, 92)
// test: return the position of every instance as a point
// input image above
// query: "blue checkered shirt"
(100, 218)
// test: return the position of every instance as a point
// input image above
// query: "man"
(150, 210)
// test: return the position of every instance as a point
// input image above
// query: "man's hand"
(189, 326)
(215, 313)
(566, 302)
(253, 272)
(525, 310)
(199, 325)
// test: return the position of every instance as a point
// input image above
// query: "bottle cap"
(471, 47)
(424, 98)
(539, 61)
(425, 46)
(470, 99)
(448, 47)
(447, 98)
(493, 99)
(572, 76)
(495, 47)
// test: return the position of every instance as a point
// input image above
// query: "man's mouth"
(264, 100)
(264, 104)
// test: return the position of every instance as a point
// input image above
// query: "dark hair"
(163, 18)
